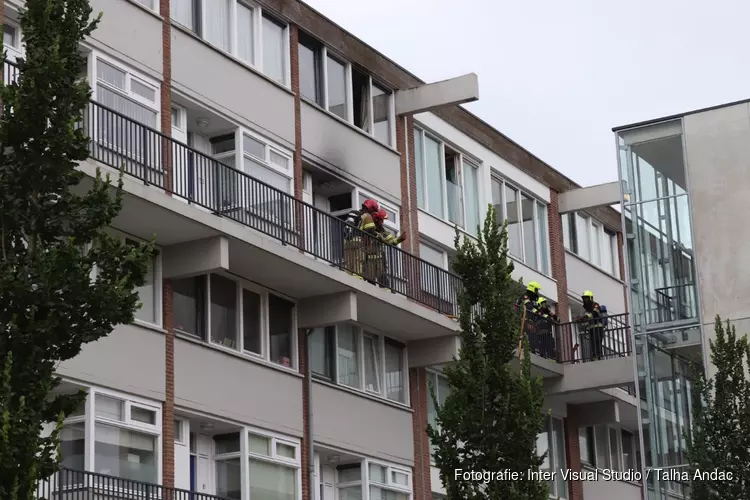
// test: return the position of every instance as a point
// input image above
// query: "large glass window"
(385, 482)
(394, 371)
(189, 305)
(529, 232)
(336, 82)
(321, 344)
(310, 70)
(442, 389)
(447, 182)
(217, 21)
(348, 356)
(223, 311)
(515, 246)
(552, 441)
(149, 294)
(281, 329)
(381, 114)
(587, 238)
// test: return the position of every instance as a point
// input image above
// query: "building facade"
(260, 365)
(680, 178)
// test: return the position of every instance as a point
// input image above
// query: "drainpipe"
(310, 448)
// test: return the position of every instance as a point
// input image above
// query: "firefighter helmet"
(380, 216)
(371, 205)
(588, 293)
(541, 301)
(534, 287)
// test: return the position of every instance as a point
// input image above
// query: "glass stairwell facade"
(663, 296)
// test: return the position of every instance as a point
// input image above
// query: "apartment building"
(681, 177)
(259, 365)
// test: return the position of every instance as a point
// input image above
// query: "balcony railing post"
(439, 290)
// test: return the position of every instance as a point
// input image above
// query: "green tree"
(494, 412)
(720, 438)
(51, 239)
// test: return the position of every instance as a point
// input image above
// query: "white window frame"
(19, 49)
(257, 23)
(433, 376)
(542, 263)
(598, 235)
(153, 8)
(618, 445)
(270, 146)
(379, 342)
(90, 419)
(265, 354)
(552, 452)
(130, 75)
(461, 158)
(365, 482)
(444, 289)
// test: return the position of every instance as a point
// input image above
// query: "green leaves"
(64, 281)
(493, 414)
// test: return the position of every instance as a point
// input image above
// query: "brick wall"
(409, 214)
(419, 391)
(294, 63)
(306, 439)
(166, 92)
(557, 254)
(168, 408)
(573, 454)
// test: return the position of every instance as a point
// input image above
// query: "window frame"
(379, 341)
(130, 75)
(599, 236)
(608, 429)
(365, 482)
(257, 13)
(462, 157)
(434, 376)
(90, 420)
(543, 259)
(554, 455)
(19, 48)
(265, 341)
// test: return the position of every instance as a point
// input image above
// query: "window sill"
(350, 125)
(286, 88)
(591, 264)
(149, 326)
(154, 13)
(237, 354)
(363, 394)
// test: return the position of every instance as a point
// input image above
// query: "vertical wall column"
(167, 298)
(409, 213)
(419, 392)
(306, 437)
(294, 62)
(168, 408)
(573, 453)
(557, 252)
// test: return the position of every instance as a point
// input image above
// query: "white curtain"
(273, 50)
(216, 18)
(245, 33)
(182, 12)
(372, 362)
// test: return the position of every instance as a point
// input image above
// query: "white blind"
(270, 481)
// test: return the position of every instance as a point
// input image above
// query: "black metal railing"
(196, 178)
(596, 339)
(541, 332)
(675, 303)
(69, 484)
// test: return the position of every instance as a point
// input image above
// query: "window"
(527, 224)
(310, 69)
(219, 21)
(236, 318)
(12, 41)
(432, 280)
(133, 96)
(587, 238)
(363, 361)
(227, 460)
(439, 384)
(149, 294)
(552, 441)
(610, 448)
(336, 88)
(126, 435)
(447, 182)
(384, 482)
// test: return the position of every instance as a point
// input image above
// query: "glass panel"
(143, 90)
(73, 446)
(254, 147)
(223, 311)
(381, 494)
(320, 352)
(453, 188)
(566, 231)
(542, 227)
(420, 167)
(270, 481)
(433, 171)
(471, 191)
(178, 430)
(514, 228)
(259, 445)
(105, 72)
(309, 73)
(351, 493)
(349, 473)
(614, 449)
(251, 321)
(497, 199)
(216, 23)
(147, 296)
(596, 244)
(281, 329)
(608, 252)
(9, 36)
(585, 445)
(602, 449)
(229, 479)
(542, 446)
(559, 444)
(377, 473)
(348, 356)
(381, 113)
(628, 446)
(273, 50)
(245, 33)
(336, 82)
(227, 443)
(143, 415)
(394, 372)
(181, 11)
(110, 408)
(529, 233)
(400, 478)
(125, 454)
(279, 160)
(286, 450)
(188, 305)
(372, 364)
(582, 233)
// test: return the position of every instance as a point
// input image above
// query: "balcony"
(72, 484)
(200, 180)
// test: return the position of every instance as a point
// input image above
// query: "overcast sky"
(556, 76)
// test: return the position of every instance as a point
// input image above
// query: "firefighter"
(379, 256)
(593, 326)
(530, 296)
(545, 334)
(353, 248)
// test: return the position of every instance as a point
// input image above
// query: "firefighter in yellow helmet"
(592, 325)
(544, 339)
(530, 296)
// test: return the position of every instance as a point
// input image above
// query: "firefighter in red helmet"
(380, 254)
